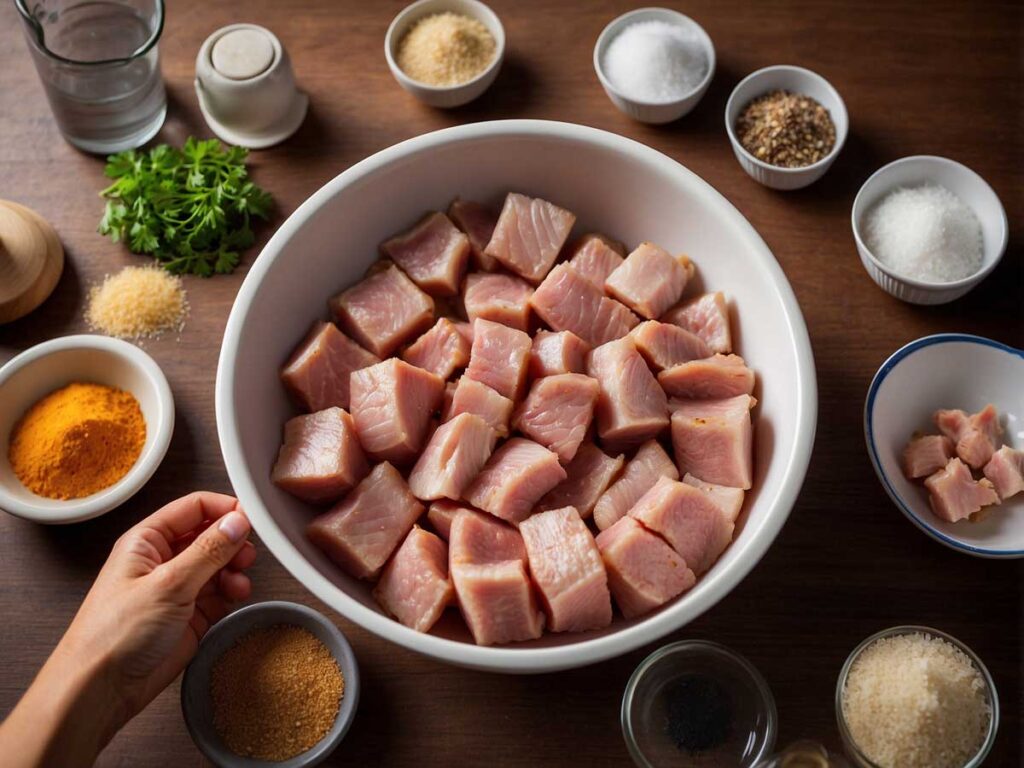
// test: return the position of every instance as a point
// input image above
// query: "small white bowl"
(655, 113)
(445, 96)
(796, 80)
(973, 190)
(40, 370)
(948, 370)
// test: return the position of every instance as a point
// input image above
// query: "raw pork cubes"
(499, 358)
(926, 455)
(976, 436)
(664, 345)
(588, 476)
(473, 397)
(478, 222)
(713, 440)
(528, 236)
(555, 353)
(631, 407)
(392, 403)
(318, 371)
(361, 531)
(706, 316)
(383, 311)
(321, 457)
(567, 569)
(433, 253)
(643, 571)
(414, 586)
(641, 473)
(595, 257)
(518, 474)
(442, 350)
(557, 412)
(955, 495)
(649, 281)
(453, 457)
(716, 377)
(498, 297)
(566, 301)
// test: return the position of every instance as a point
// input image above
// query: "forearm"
(65, 718)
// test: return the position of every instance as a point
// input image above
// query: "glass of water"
(99, 64)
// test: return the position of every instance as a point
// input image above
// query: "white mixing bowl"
(614, 185)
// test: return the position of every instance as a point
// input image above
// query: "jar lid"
(242, 54)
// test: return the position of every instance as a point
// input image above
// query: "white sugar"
(656, 62)
(925, 233)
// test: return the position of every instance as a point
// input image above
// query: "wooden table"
(940, 79)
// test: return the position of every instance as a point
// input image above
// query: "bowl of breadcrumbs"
(274, 682)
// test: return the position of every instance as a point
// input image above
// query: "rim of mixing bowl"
(39, 38)
(850, 746)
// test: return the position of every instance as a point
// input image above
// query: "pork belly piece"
(497, 602)
(434, 253)
(641, 473)
(454, 456)
(706, 316)
(976, 435)
(499, 298)
(643, 571)
(588, 476)
(440, 515)
(554, 353)
(567, 302)
(631, 406)
(478, 222)
(955, 495)
(360, 532)
(1005, 470)
(320, 459)
(529, 234)
(473, 397)
(316, 375)
(414, 586)
(664, 345)
(441, 350)
(713, 440)
(687, 519)
(515, 478)
(595, 257)
(715, 378)
(729, 500)
(568, 570)
(557, 412)
(649, 281)
(926, 455)
(487, 560)
(383, 311)
(392, 403)
(479, 539)
(499, 358)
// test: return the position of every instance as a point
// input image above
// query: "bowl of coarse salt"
(928, 229)
(655, 64)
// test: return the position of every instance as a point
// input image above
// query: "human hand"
(166, 581)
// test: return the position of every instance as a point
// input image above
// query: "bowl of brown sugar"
(273, 682)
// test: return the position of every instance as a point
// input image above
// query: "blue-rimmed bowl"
(948, 370)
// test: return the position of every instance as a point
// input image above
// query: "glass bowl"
(644, 707)
(858, 758)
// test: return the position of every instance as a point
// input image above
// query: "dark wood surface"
(927, 78)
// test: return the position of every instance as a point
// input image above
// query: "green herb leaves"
(189, 208)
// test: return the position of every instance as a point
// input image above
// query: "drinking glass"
(98, 62)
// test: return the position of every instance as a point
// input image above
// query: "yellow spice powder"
(446, 49)
(77, 440)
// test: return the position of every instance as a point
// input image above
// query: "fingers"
(245, 558)
(212, 550)
(234, 586)
(182, 516)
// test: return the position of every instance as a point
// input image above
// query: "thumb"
(211, 551)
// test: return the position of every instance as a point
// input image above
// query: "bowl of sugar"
(655, 64)
(928, 229)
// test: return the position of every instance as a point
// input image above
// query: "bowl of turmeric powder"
(84, 423)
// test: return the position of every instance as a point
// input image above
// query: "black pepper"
(698, 713)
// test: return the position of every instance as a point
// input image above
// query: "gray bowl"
(197, 706)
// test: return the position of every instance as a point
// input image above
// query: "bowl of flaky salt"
(928, 229)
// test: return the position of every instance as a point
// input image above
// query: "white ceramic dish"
(613, 184)
(948, 370)
(48, 366)
(647, 111)
(973, 190)
(445, 96)
(798, 80)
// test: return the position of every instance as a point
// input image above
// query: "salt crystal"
(925, 233)
(656, 62)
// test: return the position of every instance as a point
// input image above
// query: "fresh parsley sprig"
(190, 208)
